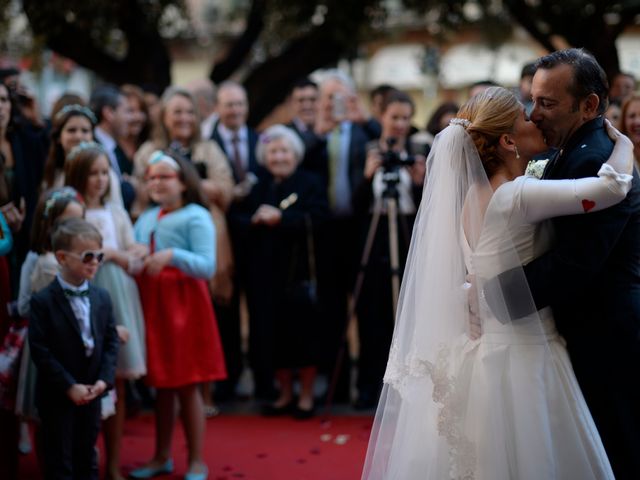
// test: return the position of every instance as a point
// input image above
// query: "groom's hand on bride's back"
(475, 327)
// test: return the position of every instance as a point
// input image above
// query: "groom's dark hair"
(588, 75)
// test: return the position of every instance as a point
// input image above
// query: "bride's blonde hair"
(492, 113)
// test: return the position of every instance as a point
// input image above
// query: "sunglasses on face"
(88, 256)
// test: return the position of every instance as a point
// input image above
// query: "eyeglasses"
(88, 256)
(163, 177)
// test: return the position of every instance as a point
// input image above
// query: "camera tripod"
(388, 202)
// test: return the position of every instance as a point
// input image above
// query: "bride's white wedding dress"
(506, 406)
(547, 430)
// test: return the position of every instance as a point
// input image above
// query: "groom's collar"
(581, 132)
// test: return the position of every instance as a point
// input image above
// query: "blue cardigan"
(189, 231)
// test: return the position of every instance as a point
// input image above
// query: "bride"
(504, 405)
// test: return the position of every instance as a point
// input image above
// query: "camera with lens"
(393, 160)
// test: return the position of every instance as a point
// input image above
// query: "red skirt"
(182, 338)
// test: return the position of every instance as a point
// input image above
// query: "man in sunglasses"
(74, 345)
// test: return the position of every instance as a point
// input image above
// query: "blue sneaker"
(148, 472)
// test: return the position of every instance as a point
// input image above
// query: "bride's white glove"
(621, 159)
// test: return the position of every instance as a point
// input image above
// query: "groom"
(591, 278)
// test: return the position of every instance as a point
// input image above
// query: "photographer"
(391, 171)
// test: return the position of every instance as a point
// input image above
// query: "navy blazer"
(253, 141)
(56, 344)
(315, 151)
(357, 158)
(591, 277)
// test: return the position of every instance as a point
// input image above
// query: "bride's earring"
(517, 154)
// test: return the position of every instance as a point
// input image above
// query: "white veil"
(424, 427)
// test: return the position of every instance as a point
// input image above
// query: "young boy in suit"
(74, 345)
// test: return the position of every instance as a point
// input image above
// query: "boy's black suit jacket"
(56, 344)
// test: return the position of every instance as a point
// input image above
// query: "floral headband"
(83, 146)
(64, 193)
(160, 157)
(75, 108)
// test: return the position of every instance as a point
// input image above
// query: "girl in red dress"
(183, 344)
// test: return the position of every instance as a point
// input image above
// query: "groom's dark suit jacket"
(591, 279)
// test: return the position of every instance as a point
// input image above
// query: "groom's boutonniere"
(535, 168)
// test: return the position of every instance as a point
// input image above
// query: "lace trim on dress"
(462, 455)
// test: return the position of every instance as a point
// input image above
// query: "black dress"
(283, 316)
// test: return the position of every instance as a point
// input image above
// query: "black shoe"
(302, 414)
(270, 410)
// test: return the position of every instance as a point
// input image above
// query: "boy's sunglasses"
(88, 256)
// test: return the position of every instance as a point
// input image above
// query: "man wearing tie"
(237, 140)
(303, 101)
(113, 114)
(343, 173)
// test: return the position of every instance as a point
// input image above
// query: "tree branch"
(147, 60)
(526, 17)
(269, 84)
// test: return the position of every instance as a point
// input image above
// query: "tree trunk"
(269, 84)
(322, 46)
(242, 46)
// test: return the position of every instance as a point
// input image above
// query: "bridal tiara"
(463, 122)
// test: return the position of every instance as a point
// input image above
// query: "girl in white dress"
(487, 400)
(87, 170)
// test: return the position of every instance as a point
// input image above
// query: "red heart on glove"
(588, 205)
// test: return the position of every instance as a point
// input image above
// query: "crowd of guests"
(183, 219)
(624, 109)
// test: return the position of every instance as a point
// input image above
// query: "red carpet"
(255, 448)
